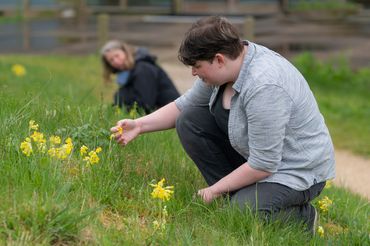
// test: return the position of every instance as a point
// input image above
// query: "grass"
(65, 202)
(343, 98)
(333, 5)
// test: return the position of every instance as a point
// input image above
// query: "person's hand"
(208, 194)
(125, 131)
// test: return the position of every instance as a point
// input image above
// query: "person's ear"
(220, 59)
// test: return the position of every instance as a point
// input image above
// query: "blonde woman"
(140, 79)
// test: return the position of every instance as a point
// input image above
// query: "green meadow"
(50, 199)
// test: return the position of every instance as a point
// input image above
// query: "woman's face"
(116, 58)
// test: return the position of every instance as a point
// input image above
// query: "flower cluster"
(324, 204)
(18, 70)
(54, 147)
(320, 231)
(61, 152)
(91, 157)
(160, 192)
(36, 137)
(163, 193)
(37, 141)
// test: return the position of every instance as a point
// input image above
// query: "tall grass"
(62, 202)
(343, 97)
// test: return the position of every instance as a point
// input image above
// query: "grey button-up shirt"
(274, 121)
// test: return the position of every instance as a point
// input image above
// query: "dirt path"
(352, 172)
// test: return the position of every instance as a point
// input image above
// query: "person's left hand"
(208, 194)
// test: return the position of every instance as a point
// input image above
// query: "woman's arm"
(239, 178)
(161, 119)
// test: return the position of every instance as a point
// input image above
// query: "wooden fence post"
(26, 8)
(176, 6)
(249, 25)
(103, 29)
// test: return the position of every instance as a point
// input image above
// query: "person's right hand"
(125, 131)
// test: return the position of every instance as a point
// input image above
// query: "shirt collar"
(251, 50)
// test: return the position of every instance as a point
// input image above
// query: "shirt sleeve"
(268, 111)
(198, 95)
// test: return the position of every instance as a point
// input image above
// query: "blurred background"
(79, 27)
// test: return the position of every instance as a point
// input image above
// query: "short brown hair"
(207, 37)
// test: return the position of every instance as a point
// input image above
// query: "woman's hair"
(108, 70)
(207, 37)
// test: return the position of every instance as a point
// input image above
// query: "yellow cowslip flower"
(53, 152)
(32, 125)
(120, 131)
(118, 111)
(83, 150)
(38, 137)
(133, 111)
(54, 140)
(320, 231)
(65, 150)
(324, 204)
(26, 147)
(329, 184)
(41, 147)
(69, 141)
(93, 157)
(18, 70)
(160, 192)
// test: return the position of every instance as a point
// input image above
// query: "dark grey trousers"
(211, 151)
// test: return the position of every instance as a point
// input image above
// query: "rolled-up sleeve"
(268, 110)
(198, 95)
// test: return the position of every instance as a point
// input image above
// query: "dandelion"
(26, 147)
(160, 192)
(18, 70)
(324, 204)
(32, 125)
(320, 231)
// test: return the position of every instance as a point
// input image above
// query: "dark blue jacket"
(148, 85)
